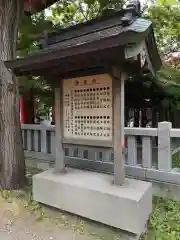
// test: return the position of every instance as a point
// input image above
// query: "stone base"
(92, 195)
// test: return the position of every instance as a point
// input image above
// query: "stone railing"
(149, 152)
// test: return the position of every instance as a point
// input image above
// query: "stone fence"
(148, 157)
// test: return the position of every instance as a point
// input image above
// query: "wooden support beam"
(59, 161)
(118, 126)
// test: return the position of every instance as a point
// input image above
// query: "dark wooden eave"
(94, 44)
(34, 6)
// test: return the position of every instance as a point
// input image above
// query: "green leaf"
(166, 2)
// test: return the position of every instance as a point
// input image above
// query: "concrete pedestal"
(92, 195)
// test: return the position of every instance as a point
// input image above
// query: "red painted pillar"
(125, 142)
(53, 109)
(21, 110)
(27, 115)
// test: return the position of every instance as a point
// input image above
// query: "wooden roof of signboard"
(99, 43)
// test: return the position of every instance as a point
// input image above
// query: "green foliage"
(80, 11)
(176, 159)
(165, 15)
(166, 2)
(166, 20)
(168, 74)
(164, 223)
(169, 80)
(31, 29)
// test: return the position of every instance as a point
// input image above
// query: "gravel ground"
(18, 224)
(21, 230)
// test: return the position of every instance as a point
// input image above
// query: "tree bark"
(12, 162)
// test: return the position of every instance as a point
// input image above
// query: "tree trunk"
(11, 149)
